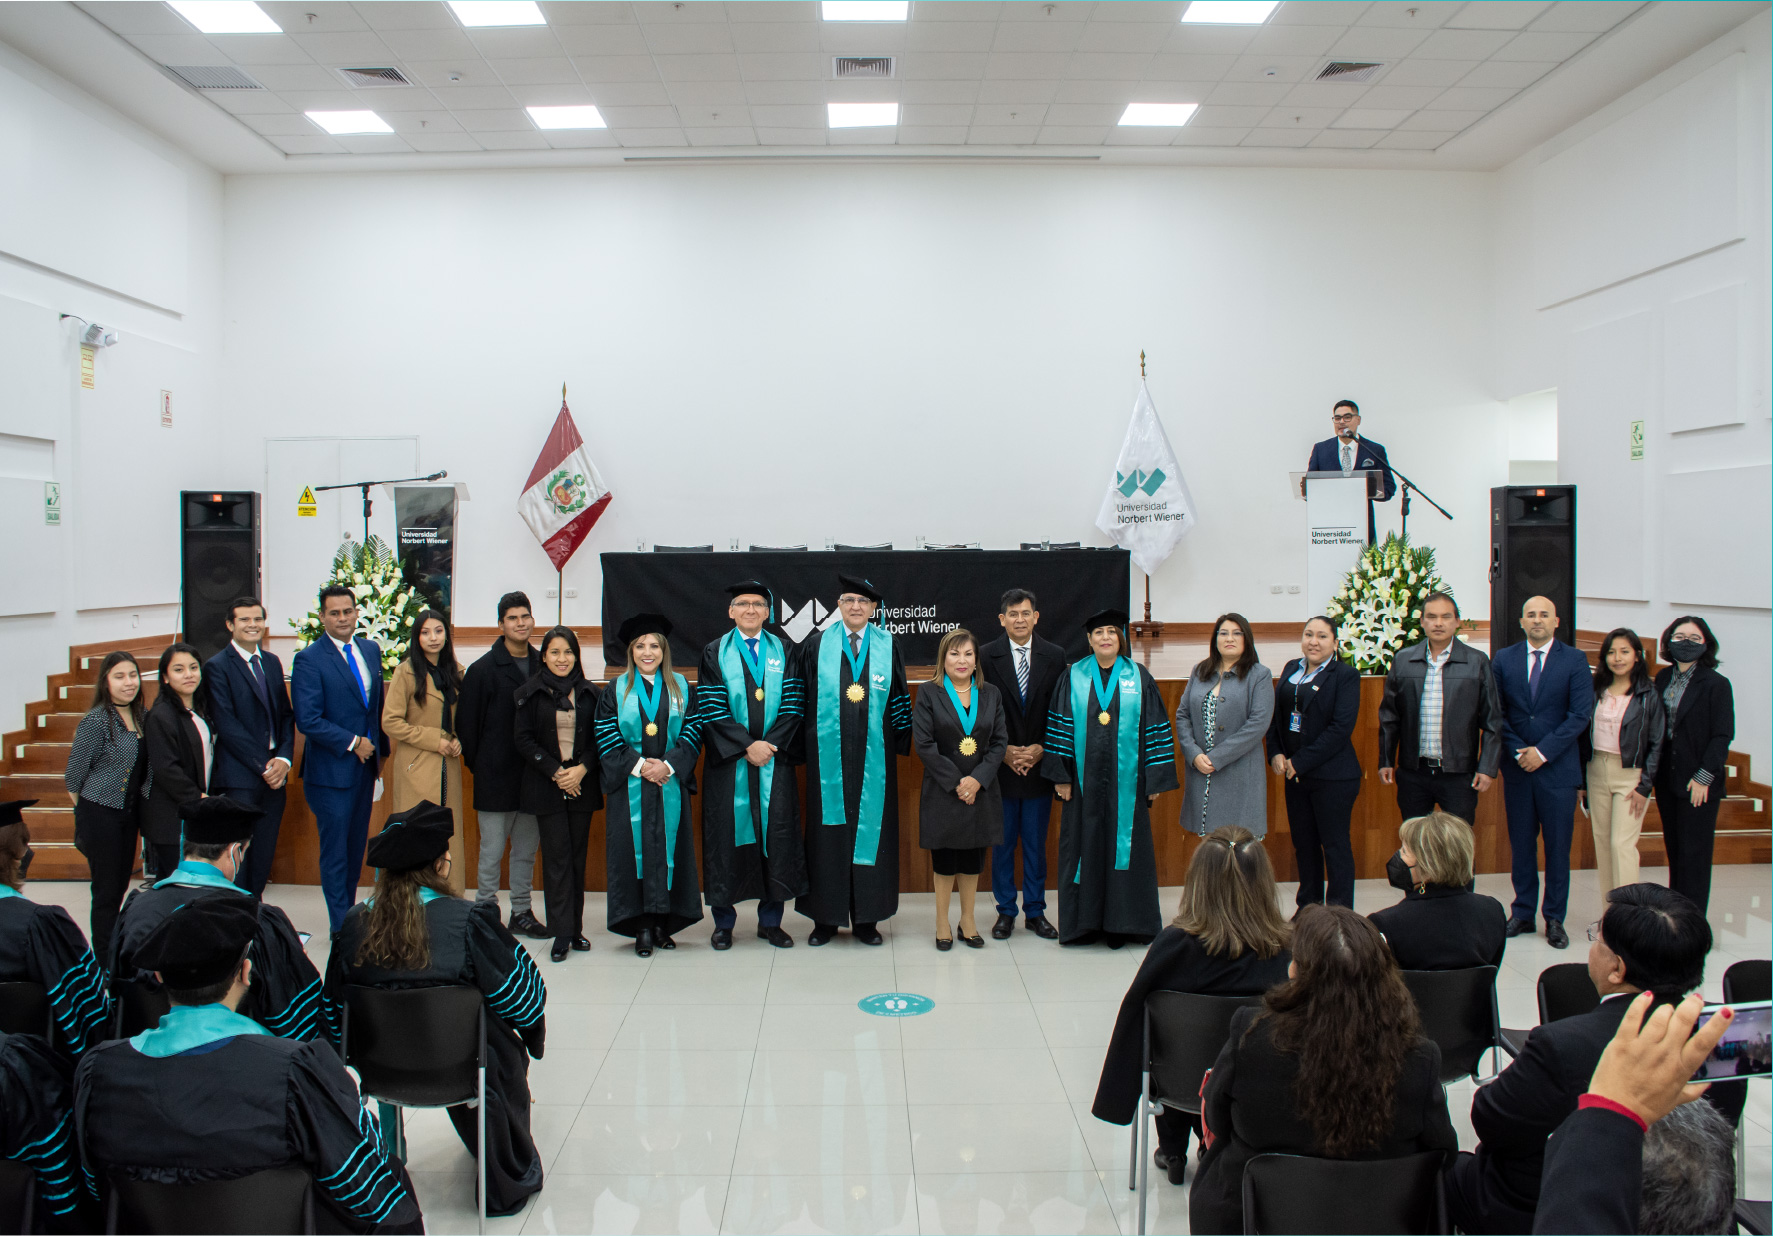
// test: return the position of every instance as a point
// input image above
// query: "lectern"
(1336, 522)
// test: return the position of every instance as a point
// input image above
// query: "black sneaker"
(525, 924)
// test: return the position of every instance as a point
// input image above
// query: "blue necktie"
(258, 682)
(1533, 674)
(351, 664)
(751, 643)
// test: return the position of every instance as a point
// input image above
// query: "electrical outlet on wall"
(135, 620)
(571, 593)
(1293, 589)
(552, 594)
(1277, 589)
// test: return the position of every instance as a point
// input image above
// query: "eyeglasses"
(750, 605)
(1346, 416)
(850, 598)
(1594, 932)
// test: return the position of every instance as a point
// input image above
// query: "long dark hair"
(1245, 663)
(421, 664)
(101, 692)
(395, 933)
(1709, 659)
(1603, 673)
(1352, 1023)
(199, 697)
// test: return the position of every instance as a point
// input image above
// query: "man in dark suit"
(336, 686)
(1650, 939)
(1024, 668)
(254, 732)
(1349, 452)
(1547, 692)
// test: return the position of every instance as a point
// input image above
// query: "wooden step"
(54, 727)
(40, 757)
(50, 790)
(53, 825)
(57, 861)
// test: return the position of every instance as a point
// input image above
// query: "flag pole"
(1148, 628)
(560, 598)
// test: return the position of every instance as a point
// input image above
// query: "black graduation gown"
(732, 873)
(238, 1106)
(674, 896)
(41, 944)
(37, 1129)
(1106, 900)
(469, 947)
(284, 996)
(840, 891)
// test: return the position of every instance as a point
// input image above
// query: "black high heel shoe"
(643, 942)
(942, 946)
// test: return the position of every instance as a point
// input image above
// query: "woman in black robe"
(1107, 866)
(41, 944)
(413, 932)
(648, 736)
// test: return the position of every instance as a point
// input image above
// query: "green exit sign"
(1637, 439)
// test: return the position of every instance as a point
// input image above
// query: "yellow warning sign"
(305, 505)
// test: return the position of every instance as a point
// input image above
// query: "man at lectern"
(1349, 452)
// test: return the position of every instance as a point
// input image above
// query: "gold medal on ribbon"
(1102, 717)
(758, 693)
(651, 729)
(968, 746)
(857, 693)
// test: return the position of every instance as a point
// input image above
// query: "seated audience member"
(285, 992)
(1228, 939)
(1689, 1184)
(1650, 939)
(42, 944)
(209, 1095)
(1441, 924)
(414, 932)
(37, 1131)
(1333, 1065)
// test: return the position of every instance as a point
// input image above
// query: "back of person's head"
(1352, 1023)
(396, 934)
(1689, 1183)
(1660, 935)
(15, 843)
(1442, 845)
(1229, 901)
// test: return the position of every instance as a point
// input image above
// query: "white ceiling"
(972, 77)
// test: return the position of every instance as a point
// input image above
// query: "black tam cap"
(644, 624)
(200, 942)
(412, 838)
(855, 583)
(751, 587)
(218, 821)
(12, 810)
(1105, 618)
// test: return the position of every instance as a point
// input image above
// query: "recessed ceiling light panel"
(1230, 12)
(578, 116)
(1171, 115)
(225, 16)
(346, 124)
(865, 10)
(862, 115)
(498, 12)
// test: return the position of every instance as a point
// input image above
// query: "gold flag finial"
(563, 392)
(1141, 368)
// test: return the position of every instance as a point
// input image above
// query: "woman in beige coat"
(419, 719)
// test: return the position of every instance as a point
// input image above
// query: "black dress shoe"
(1114, 940)
(970, 941)
(1518, 927)
(1174, 1166)
(1555, 934)
(558, 952)
(581, 944)
(1005, 924)
(776, 936)
(822, 934)
(722, 939)
(665, 941)
(942, 946)
(643, 942)
(525, 924)
(1043, 927)
(867, 933)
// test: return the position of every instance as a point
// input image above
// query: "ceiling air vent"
(861, 66)
(374, 76)
(1349, 71)
(212, 76)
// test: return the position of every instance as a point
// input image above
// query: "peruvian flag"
(564, 494)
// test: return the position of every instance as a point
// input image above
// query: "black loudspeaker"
(219, 541)
(1532, 554)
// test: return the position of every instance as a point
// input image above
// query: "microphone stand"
(1404, 510)
(365, 486)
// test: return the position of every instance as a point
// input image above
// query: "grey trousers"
(497, 827)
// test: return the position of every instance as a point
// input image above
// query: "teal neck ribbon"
(969, 714)
(876, 676)
(767, 672)
(7, 890)
(1087, 689)
(629, 689)
(193, 872)
(185, 1027)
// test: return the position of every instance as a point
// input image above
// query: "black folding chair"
(1458, 1010)
(1564, 990)
(421, 1047)
(24, 1009)
(18, 1197)
(278, 1200)
(1184, 1033)
(1755, 1218)
(683, 549)
(1305, 1195)
(139, 1006)
(1744, 981)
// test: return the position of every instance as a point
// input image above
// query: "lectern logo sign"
(1148, 482)
(566, 492)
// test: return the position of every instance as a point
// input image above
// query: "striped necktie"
(1022, 673)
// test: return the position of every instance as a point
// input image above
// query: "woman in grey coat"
(1221, 722)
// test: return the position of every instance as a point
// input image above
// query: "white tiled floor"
(745, 1092)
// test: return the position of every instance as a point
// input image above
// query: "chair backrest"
(1566, 991)
(420, 1047)
(18, 1196)
(276, 1200)
(139, 1007)
(683, 549)
(1186, 1032)
(1458, 1010)
(1748, 980)
(1297, 1193)
(854, 548)
(777, 549)
(24, 1009)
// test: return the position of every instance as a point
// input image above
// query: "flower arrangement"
(1379, 606)
(387, 605)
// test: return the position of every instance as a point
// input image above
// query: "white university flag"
(1147, 508)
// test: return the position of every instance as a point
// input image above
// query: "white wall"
(119, 228)
(784, 354)
(1632, 258)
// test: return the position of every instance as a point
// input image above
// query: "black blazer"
(175, 757)
(1641, 732)
(1250, 1106)
(1699, 733)
(1444, 927)
(538, 744)
(1329, 705)
(486, 725)
(943, 821)
(245, 737)
(1025, 721)
(1176, 961)
(1594, 1175)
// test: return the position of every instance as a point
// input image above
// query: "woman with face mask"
(1441, 924)
(1690, 780)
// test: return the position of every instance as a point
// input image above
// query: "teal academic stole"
(628, 691)
(876, 660)
(734, 658)
(1086, 687)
